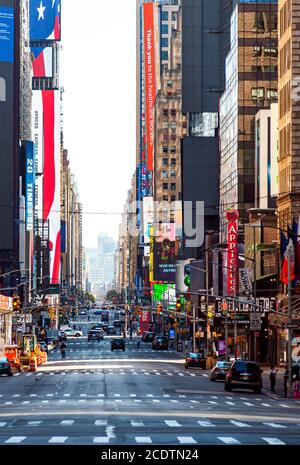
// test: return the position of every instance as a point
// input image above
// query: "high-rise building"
(251, 85)
(101, 260)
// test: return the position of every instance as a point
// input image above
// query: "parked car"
(219, 370)
(118, 344)
(148, 336)
(111, 330)
(5, 368)
(95, 335)
(193, 359)
(244, 374)
(73, 332)
(160, 342)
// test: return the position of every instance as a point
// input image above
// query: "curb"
(276, 397)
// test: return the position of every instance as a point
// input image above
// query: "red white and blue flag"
(42, 64)
(45, 20)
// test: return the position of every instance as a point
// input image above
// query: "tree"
(112, 295)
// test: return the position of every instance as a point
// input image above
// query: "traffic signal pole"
(289, 348)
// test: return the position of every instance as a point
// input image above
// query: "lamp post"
(290, 252)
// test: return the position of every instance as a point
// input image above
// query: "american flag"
(45, 20)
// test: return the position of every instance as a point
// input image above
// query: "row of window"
(258, 93)
(285, 17)
(165, 15)
(285, 99)
(166, 125)
(260, 50)
(166, 161)
(285, 141)
(172, 186)
(167, 174)
(172, 150)
(265, 21)
(285, 58)
(167, 198)
(166, 112)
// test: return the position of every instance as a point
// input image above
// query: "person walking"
(63, 350)
(273, 374)
(285, 381)
(296, 378)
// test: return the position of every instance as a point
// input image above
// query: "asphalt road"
(96, 396)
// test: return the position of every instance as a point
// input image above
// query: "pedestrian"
(273, 374)
(296, 378)
(63, 350)
(285, 381)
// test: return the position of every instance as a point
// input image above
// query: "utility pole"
(226, 333)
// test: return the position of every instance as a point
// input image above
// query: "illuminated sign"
(232, 261)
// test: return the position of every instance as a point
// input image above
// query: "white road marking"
(50, 395)
(166, 395)
(156, 400)
(150, 395)
(8, 403)
(215, 397)
(249, 404)
(229, 403)
(137, 423)
(266, 405)
(34, 423)
(212, 402)
(26, 402)
(132, 395)
(205, 423)
(284, 405)
(45, 401)
(275, 425)
(100, 395)
(229, 440)
(192, 374)
(137, 400)
(101, 423)
(33, 395)
(67, 422)
(240, 424)
(15, 439)
(16, 395)
(206, 376)
(172, 424)
(194, 401)
(145, 439)
(186, 440)
(82, 395)
(182, 396)
(58, 439)
(174, 401)
(274, 441)
(101, 440)
(2, 424)
(67, 395)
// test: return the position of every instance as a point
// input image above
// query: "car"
(118, 344)
(244, 374)
(219, 370)
(160, 342)
(5, 367)
(148, 336)
(73, 332)
(104, 326)
(95, 335)
(83, 312)
(111, 330)
(118, 323)
(194, 359)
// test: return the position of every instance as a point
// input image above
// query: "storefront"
(5, 321)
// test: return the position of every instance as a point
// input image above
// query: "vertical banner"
(150, 84)
(151, 257)
(145, 321)
(232, 261)
(30, 185)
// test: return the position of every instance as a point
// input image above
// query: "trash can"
(179, 346)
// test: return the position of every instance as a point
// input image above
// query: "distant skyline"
(98, 66)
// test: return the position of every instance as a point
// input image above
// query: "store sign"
(145, 321)
(30, 184)
(232, 256)
(255, 322)
(245, 281)
(5, 303)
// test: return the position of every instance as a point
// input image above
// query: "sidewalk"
(279, 386)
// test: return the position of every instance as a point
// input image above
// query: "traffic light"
(160, 309)
(188, 307)
(178, 304)
(16, 303)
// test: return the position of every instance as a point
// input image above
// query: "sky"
(97, 70)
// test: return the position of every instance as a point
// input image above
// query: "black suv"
(118, 344)
(244, 374)
(95, 335)
(160, 342)
(148, 336)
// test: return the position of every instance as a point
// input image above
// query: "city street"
(139, 396)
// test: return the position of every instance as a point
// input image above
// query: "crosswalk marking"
(82, 395)
(273, 441)
(194, 401)
(100, 395)
(15, 439)
(101, 440)
(166, 395)
(67, 395)
(266, 405)
(101, 423)
(137, 423)
(274, 425)
(156, 400)
(186, 440)
(240, 424)
(212, 402)
(8, 403)
(174, 401)
(249, 404)
(205, 423)
(16, 395)
(67, 422)
(132, 395)
(182, 396)
(284, 405)
(172, 424)
(149, 395)
(2, 424)
(137, 400)
(143, 439)
(229, 403)
(229, 440)
(117, 395)
(34, 423)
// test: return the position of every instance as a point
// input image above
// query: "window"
(259, 23)
(257, 93)
(165, 125)
(164, 56)
(173, 161)
(173, 198)
(165, 15)
(165, 29)
(173, 125)
(256, 68)
(272, 94)
(165, 42)
(165, 149)
(173, 173)
(169, 84)
(165, 161)
(165, 112)
(174, 16)
(165, 186)
(165, 174)
(271, 52)
(173, 149)
(173, 112)
(173, 186)
(165, 198)
(257, 51)
(271, 69)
